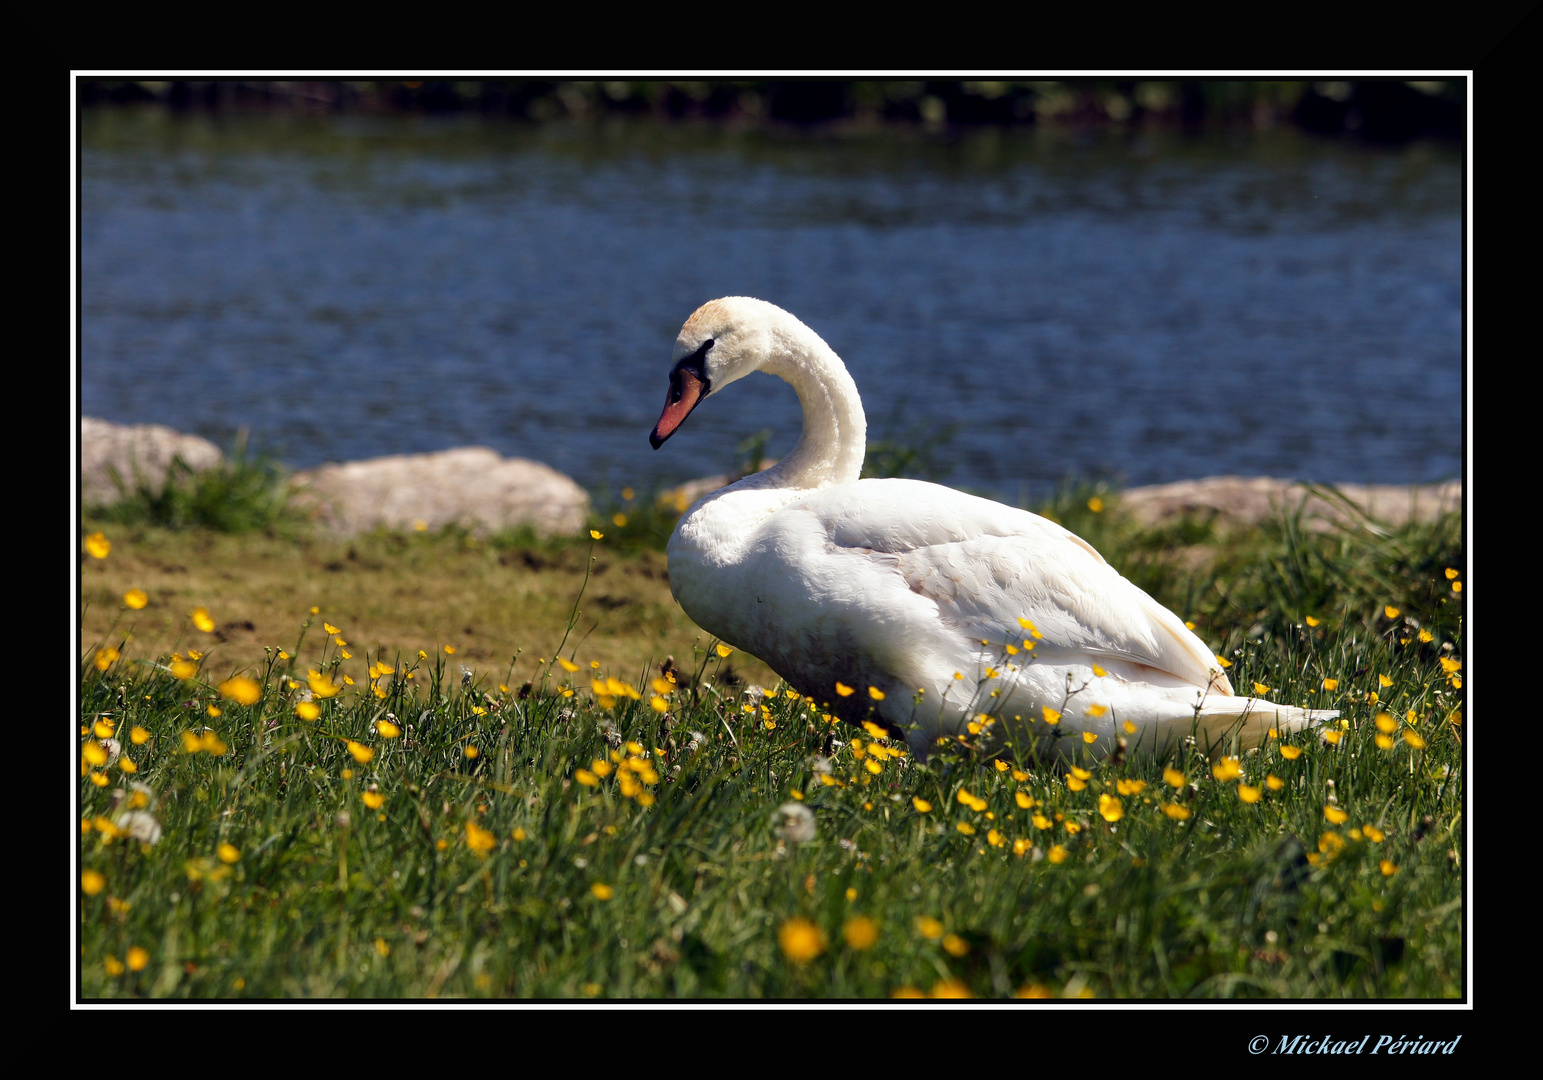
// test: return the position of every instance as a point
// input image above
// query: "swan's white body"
(915, 589)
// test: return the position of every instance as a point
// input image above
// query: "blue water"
(1039, 305)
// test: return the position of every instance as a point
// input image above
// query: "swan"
(953, 609)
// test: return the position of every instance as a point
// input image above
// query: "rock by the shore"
(138, 453)
(1232, 500)
(1249, 500)
(472, 487)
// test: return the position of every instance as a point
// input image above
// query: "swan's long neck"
(830, 449)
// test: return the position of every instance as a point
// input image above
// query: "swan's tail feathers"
(1250, 720)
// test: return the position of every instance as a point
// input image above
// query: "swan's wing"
(986, 565)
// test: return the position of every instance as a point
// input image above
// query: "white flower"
(795, 822)
(114, 749)
(139, 824)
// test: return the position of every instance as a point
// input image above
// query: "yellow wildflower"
(1335, 814)
(1175, 811)
(361, 753)
(1110, 808)
(479, 839)
(228, 853)
(801, 940)
(922, 805)
(860, 932)
(1414, 739)
(1227, 768)
(1249, 794)
(242, 690)
(1056, 854)
(321, 685)
(843, 689)
(1052, 716)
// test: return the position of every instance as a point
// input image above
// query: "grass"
(594, 846)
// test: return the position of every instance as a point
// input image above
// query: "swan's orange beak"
(686, 391)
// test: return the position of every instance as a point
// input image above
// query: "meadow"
(450, 766)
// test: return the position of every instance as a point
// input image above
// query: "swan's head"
(723, 340)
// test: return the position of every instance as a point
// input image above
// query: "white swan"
(920, 591)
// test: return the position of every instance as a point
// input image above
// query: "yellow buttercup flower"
(1311, 621)
(1291, 753)
(1174, 778)
(373, 799)
(361, 753)
(1175, 811)
(922, 805)
(1390, 611)
(228, 853)
(1090, 736)
(1414, 739)
(136, 598)
(1110, 808)
(241, 690)
(723, 651)
(1249, 794)
(479, 839)
(1261, 689)
(843, 689)
(875, 693)
(1051, 716)
(1384, 681)
(321, 685)
(1228, 768)
(1273, 782)
(1097, 711)
(801, 940)
(1056, 854)
(860, 932)
(202, 620)
(1335, 814)
(97, 545)
(387, 730)
(929, 928)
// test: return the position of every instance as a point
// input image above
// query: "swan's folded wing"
(986, 565)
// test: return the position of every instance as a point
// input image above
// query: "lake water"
(1039, 304)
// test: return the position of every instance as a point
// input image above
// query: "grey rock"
(138, 453)
(1252, 499)
(472, 487)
